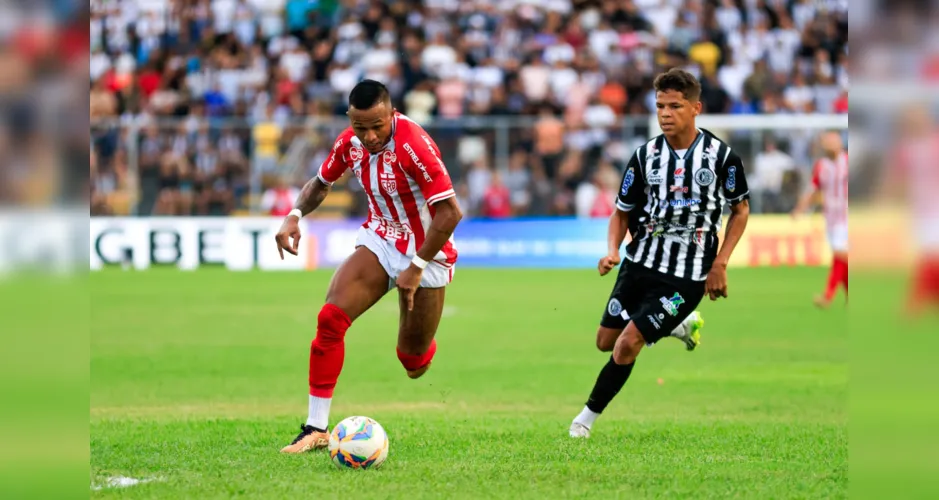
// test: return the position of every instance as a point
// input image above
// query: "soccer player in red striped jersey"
(406, 241)
(912, 178)
(830, 181)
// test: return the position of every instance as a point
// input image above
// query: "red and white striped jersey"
(402, 184)
(831, 178)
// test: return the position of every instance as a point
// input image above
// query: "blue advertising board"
(537, 243)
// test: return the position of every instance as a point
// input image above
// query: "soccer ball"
(358, 443)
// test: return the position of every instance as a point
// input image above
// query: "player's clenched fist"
(289, 230)
(608, 263)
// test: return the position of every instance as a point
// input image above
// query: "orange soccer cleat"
(308, 439)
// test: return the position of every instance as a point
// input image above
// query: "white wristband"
(419, 262)
(296, 213)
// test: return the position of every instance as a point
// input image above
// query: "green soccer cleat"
(689, 331)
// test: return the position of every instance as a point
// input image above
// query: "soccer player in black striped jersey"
(673, 193)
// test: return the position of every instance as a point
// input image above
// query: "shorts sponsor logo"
(614, 307)
(704, 177)
(655, 322)
(671, 304)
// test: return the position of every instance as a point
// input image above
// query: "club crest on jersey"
(389, 157)
(356, 154)
(704, 177)
(731, 183)
(387, 180)
(628, 180)
(671, 304)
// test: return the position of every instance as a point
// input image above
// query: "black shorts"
(655, 302)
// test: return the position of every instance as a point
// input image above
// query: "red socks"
(837, 276)
(415, 361)
(328, 350)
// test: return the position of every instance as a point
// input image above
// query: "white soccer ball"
(358, 443)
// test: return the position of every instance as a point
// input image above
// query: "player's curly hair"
(679, 80)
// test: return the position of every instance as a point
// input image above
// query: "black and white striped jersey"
(678, 198)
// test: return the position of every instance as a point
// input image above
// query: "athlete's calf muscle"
(417, 327)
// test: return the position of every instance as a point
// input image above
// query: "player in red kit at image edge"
(912, 178)
(830, 181)
(406, 241)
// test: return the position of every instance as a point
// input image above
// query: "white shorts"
(435, 275)
(838, 237)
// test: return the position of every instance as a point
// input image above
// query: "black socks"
(611, 380)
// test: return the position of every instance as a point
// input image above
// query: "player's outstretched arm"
(619, 225)
(310, 198)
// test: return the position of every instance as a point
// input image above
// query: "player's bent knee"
(331, 324)
(628, 346)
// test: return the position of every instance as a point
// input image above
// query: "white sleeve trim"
(441, 196)
(740, 196)
(624, 207)
(319, 175)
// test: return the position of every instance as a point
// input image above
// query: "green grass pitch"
(198, 379)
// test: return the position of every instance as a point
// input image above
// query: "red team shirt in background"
(915, 162)
(831, 177)
(402, 183)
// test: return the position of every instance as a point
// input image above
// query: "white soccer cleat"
(579, 430)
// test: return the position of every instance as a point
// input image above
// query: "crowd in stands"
(226, 106)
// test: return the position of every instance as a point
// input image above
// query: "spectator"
(278, 200)
(270, 78)
(496, 201)
(766, 179)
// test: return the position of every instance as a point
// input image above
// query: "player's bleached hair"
(368, 93)
(679, 80)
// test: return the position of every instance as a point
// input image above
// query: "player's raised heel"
(579, 431)
(418, 372)
(309, 439)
